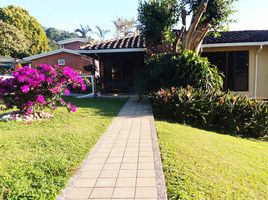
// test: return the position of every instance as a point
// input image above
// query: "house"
(66, 55)
(7, 65)
(121, 60)
(242, 56)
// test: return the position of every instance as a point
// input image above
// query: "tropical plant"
(31, 90)
(28, 25)
(119, 24)
(12, 41)
(179, 70)
(83, 30)
(124, 27)
(157, 18)
(130, 25)
(101, 32)
(213, 110)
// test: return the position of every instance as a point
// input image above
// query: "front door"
(118, 77)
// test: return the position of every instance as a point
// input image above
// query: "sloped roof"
(51, 53)
(135, 41)
(71, 40)
(238, 37)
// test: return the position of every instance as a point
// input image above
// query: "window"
(61, 62)
(234, 65)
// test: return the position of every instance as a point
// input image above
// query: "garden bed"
(37, 160)
(205, 165)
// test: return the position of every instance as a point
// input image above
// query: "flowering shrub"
(34, 89)
(213, 110)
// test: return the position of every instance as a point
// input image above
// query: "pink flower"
(49, 80)
(66, 92)
(41, 99)
(73, 108)
(84, 87)
(25, 89)
(29, 111)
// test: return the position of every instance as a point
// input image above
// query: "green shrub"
(214, 110)
(179, 70)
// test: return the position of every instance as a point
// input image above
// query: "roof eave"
(51, 53)
(126, 50)
(239, 44)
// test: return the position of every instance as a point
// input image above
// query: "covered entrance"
(120, 63)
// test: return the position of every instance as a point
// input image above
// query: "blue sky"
(69, 14)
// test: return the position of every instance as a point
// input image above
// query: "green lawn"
(205, 165)
(37, 160)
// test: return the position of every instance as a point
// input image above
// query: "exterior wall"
(262, 90)
(71, 60)
(72, 45)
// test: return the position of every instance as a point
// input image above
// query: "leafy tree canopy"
(12, 41)
(57, 35)
(157, 18)
(54, 35)
(32, 29)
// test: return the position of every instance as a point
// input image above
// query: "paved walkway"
(125, 163)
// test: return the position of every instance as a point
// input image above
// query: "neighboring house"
(7, 65)
(66, 55)
(73, 43)
(243, 58)
(241, 55)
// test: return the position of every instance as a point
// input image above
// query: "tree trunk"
(192, 32)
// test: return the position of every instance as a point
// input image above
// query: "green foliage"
(37, 160)
(12, 41)
(33, 31)
(54, 35)
(57, 35)
(157, 18)
(198, 164)
(179, 70)
(224, 112)
(83, 30)
(218, 12)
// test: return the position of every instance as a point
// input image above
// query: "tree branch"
(178, 38)
(199, 36)
(194, 23)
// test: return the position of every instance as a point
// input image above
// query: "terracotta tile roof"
(138, 41)
(238, 37)
(135, 41)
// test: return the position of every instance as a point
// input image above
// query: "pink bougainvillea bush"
(32, 90)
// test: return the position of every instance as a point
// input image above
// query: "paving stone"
(122, 168)
(98, 193)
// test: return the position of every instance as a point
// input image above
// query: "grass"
(37, 160)
(205, 165)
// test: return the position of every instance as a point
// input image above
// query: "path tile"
(122, 166)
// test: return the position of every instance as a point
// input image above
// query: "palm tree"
(101, 32)
(124, 27)
(83, 30)
(119, 24)
(129, 26)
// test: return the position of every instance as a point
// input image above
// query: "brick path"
(125, 163)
